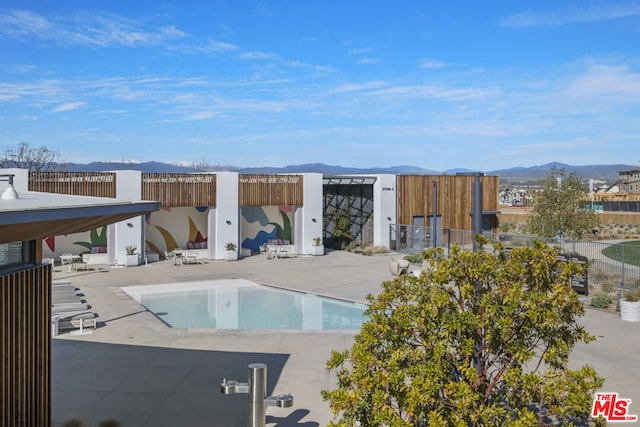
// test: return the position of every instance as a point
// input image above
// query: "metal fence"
(612, 264)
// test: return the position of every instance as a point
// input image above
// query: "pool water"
(240, 304)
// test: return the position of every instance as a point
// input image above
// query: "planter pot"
(232, 255)
(630, 310)
(132, 260)
(317, 250)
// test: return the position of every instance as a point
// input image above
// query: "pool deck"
(135, 369)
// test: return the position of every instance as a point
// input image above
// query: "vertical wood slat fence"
(95, 184)
(271, 190)
(25, 357)
(454, 198)
(179, 190)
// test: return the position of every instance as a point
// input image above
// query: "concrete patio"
(135, 369)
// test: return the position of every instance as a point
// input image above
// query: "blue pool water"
(240, 304)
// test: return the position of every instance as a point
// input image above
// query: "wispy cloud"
(586, 14)
(357, 87)
(436, 92)
(21, 68)
(360, 51)
(68, 106)
(369, 61)
(256, 54)
(91, 30)
(429, 63)
(216, 46)
(200, 115)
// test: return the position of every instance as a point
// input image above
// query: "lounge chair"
(65, 297)
(69, 306)
(77, 320)
(63, 287)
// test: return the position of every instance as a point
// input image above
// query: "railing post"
(622, 265)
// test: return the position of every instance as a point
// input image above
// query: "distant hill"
(338, 170)
(608, 173)
(149, 167)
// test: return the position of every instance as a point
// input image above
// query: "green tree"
(34, 159)
(558, 209)
(481, 338)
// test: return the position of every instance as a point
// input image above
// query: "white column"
(384, 208)
(227, 217)
(309, 216)
(129, 232)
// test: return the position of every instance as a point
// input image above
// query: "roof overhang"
(38, 215)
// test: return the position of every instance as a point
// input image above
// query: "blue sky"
(439, 85)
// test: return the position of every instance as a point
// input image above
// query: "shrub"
(607, 285)
(631, 296)
(416, 258)
(373, 250)
(601, 301)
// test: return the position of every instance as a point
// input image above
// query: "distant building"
(630, 181)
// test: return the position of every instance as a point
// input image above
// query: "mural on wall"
(94, 241)
(167, 229)
(98, 241)
(263, 223)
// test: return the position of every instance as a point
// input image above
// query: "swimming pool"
(241, 304)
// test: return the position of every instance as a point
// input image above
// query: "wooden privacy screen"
(271, 190)
(25, 350)
(179, 190)
(96, 184)
(455, 198)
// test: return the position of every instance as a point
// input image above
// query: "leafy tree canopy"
(559, 208)
(481, 338)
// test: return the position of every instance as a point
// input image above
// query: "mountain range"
(607, 173)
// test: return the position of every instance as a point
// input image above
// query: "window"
(11, 253)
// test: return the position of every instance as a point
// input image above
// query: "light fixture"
(314, 220)
(388, 218)
(228, 222)
(9, 192)
(129, 225)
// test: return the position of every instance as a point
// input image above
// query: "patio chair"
(66, 259)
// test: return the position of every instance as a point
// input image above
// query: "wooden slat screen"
(455, 198)
(25, 352)
(271, 190)
(179, 190)
(96, 184)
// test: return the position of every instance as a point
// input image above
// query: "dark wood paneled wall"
(271, 190)
(96, 184)
(25, 350)
(180, 190)
(455, 198)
